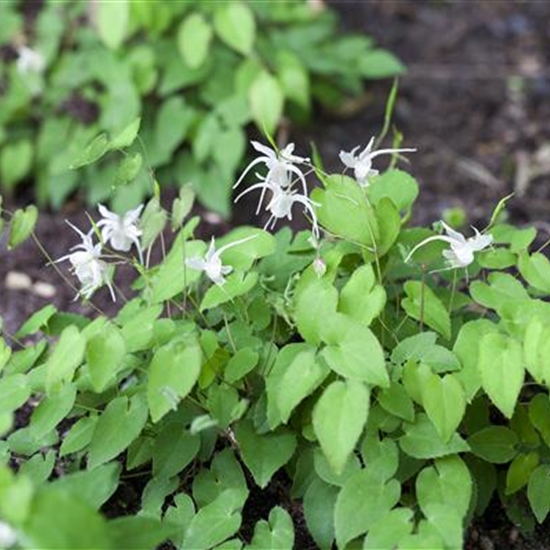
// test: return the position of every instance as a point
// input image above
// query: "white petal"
(459, 237)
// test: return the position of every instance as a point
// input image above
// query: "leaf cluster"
(198, 74)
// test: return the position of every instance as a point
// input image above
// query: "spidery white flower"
(30, 61)
(281, 169)
(121, 231)
(461, 253)
(281, 202)
(211, 264)
(362, 163)
(87, 266)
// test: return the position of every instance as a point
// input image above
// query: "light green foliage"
(389, 399)
(195, 74)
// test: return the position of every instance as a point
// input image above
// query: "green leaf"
(215, 522)
(277, 533)
(79, 436)
(495, 444)
(536, 350)
(396, 401)
(127, 136)
(538, 492)
(466, 348)
(263, 455)
(353, 351)
(15, 390)
(300, 379)
(362, 502)
(379, 63)
(139, 532)
(22, 225)
(345, 211)
(174, 449)
(396, 185)
(173, 372)
(535, 269)
(319, 502)
(128, 169)
(152, 222)
(339, 417)
(182, 205)
(520, 470)
(260, 243)
(36, 321)
(444, 402)
(360, 297)
(390, 530)
(421, 440)
(423, 305)
(105, 352)
(235, 25)
(112, 22)
(448, 480)
(240, 365)
(15, 162)
(93, 487)
(194, 37)
(52, 410)
(94, 150)
(266, 102)
(235, 285)
(66, 357)
(539, 415)
(60, 519)
(501, 370)
(315, 300)
(294, 78)
(120, 423)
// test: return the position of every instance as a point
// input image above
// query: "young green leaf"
(362, 502)
(495, 444)
(266, 102)
(263, 455)
(111, 19)
(276, 533)
(501, 370)
(194, 37)
(339, 418)
(173, 372)
(444, 402)
(234, 23)
(423, 305)
(22, 225)
(120, 423)
(319, 502)
(67, 356)
(538, 491)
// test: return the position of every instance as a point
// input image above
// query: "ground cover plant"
(390, 380)
(198, 74)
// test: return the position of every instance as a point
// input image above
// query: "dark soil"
(474, 102)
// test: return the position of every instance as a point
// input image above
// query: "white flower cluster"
(87, 261)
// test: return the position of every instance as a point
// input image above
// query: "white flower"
(30, 61)
(121, 231)
(8, 536)
(281, 203)
(362, 163)
(461, 253)
(211, 264)
(280, 167)
(87, 266)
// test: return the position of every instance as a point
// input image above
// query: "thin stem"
(422, 297)
(453, 291)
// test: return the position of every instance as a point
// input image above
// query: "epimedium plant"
(391, 379)
(197, 73)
